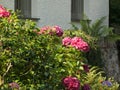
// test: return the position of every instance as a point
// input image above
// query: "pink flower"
(44, 30)
(14, 85)
(75, 41)
(79, 44)
(56, 30)
(83, 46)
(59, 31)
(71, 83)
(4, 12)
(66, 41)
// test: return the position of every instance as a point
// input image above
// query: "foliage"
(34, 58)
(100, 33)
(95, 76)
(97, 29)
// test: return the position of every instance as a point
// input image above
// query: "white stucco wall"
(95, 9)
(58, 12)
(7, 3)
(52, 12)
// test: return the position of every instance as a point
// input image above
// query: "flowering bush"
(45, 58)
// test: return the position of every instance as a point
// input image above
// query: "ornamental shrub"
(33, 58)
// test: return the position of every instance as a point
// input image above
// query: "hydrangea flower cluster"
(71, 83)
(107, 83)
(14, 85)
(76, 42)
(4, 12)
(57, 30)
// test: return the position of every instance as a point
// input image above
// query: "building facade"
(59, 12)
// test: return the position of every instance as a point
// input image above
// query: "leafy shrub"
(34, 58)
(101, 34)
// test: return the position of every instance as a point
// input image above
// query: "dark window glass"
(24, 6)
(76, 10)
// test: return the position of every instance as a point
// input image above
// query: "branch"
(8, 68)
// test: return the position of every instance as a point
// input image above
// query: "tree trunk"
(110, 58)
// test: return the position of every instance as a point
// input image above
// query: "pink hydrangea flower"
(66, 41)
(4, 12)
(59, 31)
(79, 44)
(71, 83)
(55, 30)
(75, 40)
(14, 85)
(83, 46)
(44, 30)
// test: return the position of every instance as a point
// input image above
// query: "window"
(24, 6)
(76, 10)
